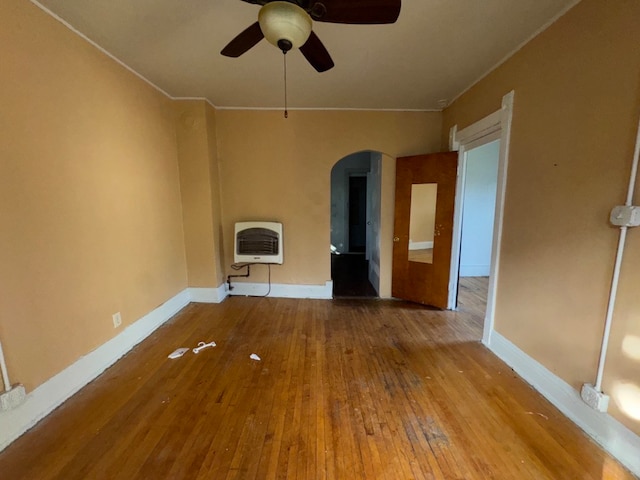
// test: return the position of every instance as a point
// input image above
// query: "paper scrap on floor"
(178, 352)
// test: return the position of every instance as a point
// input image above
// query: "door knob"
(396, 239)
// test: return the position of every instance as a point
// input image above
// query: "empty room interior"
(401, 246)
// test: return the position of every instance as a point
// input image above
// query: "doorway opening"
(478, 200)
(484, 132)
(355, 217)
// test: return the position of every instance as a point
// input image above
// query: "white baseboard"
(208, 295)
(282, 290)
(48, 396)
(420, 245)
(44, 399)
(614, 437)
(475, 270)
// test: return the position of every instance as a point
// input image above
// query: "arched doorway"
(356, 193)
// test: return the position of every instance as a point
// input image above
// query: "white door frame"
(496, 126)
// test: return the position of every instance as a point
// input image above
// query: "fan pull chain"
(286, 112)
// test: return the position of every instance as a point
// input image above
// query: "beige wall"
(200, 192)
(577, 101)
(100, 168)
(89, 196)
(216, 189)
(279, 169)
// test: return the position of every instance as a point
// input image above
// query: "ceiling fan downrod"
(284, 56)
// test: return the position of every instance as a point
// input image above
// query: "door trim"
(490, 128)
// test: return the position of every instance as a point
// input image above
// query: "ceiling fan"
(288, 24)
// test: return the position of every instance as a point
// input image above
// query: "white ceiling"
(436, 50)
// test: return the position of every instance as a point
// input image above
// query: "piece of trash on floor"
(202, 346)
(539, 414)
(178, 352)
(255, 357)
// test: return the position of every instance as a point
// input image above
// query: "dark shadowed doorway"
(355, 200)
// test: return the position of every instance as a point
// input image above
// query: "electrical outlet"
(12, 397)
(117, 320)
(594, 398)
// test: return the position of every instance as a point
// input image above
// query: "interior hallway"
(350, 275)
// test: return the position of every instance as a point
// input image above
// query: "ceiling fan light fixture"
(284, 24)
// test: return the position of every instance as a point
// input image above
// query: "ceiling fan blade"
(364, 12)
(316, 54)
(244, 41)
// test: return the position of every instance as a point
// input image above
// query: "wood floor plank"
(345, 389)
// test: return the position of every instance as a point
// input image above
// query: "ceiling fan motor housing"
(288, 25)
(284, 24)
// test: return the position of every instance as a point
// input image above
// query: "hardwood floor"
(472, 295)
(346, 389)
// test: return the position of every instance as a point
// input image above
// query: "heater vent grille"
(257, 241)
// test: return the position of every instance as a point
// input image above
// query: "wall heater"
(258, 242)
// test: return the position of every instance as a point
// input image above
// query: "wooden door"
(421, 265)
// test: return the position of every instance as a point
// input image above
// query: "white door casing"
(496, 126)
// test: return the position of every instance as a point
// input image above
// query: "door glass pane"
(422, 222)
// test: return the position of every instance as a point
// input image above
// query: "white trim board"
(48, 396)
(478, 130)
(282, 290)
(614, 437)
(52, 393)
(488, 129)
(208, 295)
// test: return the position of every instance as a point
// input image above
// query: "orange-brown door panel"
(424, 206)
